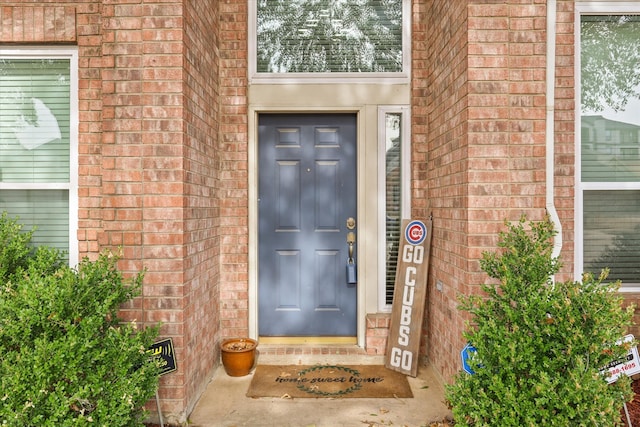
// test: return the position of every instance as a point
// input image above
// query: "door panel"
(307, 190)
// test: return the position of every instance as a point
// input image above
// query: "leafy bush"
(66, 359)
(14, 249)
(540, 345)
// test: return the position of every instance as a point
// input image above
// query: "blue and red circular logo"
(415, 232)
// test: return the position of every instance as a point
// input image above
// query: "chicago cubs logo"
(415, 232)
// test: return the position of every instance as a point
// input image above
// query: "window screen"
(329, 36)
(35, 146)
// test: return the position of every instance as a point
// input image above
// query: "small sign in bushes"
(629, 365)
(466, 354)
(163, 350)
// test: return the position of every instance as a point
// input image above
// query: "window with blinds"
(612, 233)
(35, 145)
(609, 145)
(393, 192)
(394, 184)
(329, 36)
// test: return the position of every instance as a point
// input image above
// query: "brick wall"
(565, 116)
(142, 155)
(479, 142)
(377, 332)
(234, 197)
(440, 164)
(163, 154)
(202, 191)
(38, 23)
(149, 160)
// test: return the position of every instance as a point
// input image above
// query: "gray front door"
(307, 191)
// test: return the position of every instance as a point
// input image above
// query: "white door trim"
(253, 211)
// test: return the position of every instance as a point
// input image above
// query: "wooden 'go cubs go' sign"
(409, 297)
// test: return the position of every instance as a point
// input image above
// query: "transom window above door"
(315, 40)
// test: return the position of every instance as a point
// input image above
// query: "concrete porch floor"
(225, 404)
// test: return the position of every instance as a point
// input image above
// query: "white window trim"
(70, 53)
(405, 196)
(593, 8)
(328, 78)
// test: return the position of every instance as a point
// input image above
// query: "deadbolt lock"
(351, 223)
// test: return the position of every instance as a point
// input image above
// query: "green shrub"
(66, 359)
(540, 345)
(14, 247)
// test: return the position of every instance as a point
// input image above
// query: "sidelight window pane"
(393, 190)
(393, 193)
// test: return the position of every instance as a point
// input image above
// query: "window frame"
(71, 54)
(405, 193)
(581, 9)
(320, 78)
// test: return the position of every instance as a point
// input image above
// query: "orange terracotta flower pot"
(238, 356)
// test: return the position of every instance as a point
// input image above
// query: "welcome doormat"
(335, 381)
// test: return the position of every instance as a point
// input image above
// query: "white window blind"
(48, 210)
(393, 199)
(35, 135)
(609, 145)
(612, 233)
(394, 192)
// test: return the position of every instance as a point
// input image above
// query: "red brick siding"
(37, 24)
(163, 155)
(377, 332)
(233, 145)
(143, 169)
(479, 142)
(201, 193)
(148, 160)
(440, 164)
(565, 116)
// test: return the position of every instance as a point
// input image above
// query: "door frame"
(252, 148)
